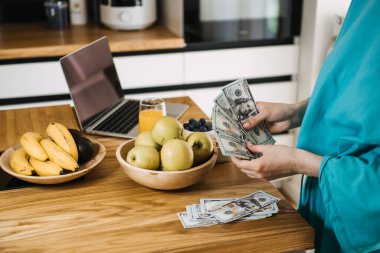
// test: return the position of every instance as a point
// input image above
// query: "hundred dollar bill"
(222, 102)
(188, 223)
(230, 134)
(223, 125)
(269, 209)
(222, 122)
(242, 207)
(189, 212)
(230, 212)
(232, 147)
(195, 213)
(256, 201)
(206, 205)
(243, 106)
(241, 138)
(264, 212)
(225, 108)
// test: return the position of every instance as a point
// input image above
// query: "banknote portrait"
(244, 108)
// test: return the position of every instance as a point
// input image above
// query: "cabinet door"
(230, 64)
(161, 94)
(47, 78)
(32, 79)
(150, 70)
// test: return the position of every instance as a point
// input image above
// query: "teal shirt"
(342, 124)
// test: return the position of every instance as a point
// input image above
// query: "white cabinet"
(150, 70)
(279, 92)
(32, 79)
(159, 94)
(230, 64)
(203, 98)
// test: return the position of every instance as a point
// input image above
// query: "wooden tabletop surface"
(108, 212)
(36, 40)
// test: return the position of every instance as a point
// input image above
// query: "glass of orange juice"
(151, 110)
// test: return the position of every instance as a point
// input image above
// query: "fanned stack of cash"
(258, 205)
(234, 105)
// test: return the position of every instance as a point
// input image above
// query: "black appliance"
(26, 11)
(234, 21)
(21, 11)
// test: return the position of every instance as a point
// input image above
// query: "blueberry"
(202, 121)
(197, 124)
(202, 129)
(186, 126)
(209, 125)
(192, 121)
(191, 128)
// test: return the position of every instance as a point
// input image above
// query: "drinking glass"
(151, 110)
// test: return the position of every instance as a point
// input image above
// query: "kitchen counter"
(35, 40)
(108, 212)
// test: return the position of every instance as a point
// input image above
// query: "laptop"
(96, 91)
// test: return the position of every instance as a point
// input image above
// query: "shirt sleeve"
(350, 186)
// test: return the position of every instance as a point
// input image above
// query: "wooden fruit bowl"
(163, 180)
(100, 152)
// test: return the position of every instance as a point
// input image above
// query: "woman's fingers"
(256, 120)
(250, 169)
(241, 163)
(257, 148)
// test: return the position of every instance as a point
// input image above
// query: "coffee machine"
(128, 14)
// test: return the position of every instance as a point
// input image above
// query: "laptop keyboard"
(122, 120)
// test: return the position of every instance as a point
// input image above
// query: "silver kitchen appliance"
(128, 14)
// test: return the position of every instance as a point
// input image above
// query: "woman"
(338, 147)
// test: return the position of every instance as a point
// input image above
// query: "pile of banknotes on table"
(234, 105)
(258, 205)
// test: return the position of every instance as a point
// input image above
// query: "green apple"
(145, 138)
(202, 146)
(176, 155)
(166, 128)
(145, 157)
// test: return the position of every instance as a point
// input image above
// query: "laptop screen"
(92, 79)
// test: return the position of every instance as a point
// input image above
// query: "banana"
(30, 141)
(59, 156)
(19, 162)
(47, 168)
(63, 138)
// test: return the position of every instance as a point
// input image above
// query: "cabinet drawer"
(32, 79)
(229, 64)
(281, 92)
(47, 78)
(157, 94)
(150, 70)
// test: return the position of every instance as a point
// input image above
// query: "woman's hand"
(278, 117)
(279, 161)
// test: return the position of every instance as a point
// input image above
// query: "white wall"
(317, 30)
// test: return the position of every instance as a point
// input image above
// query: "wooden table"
(108, 212)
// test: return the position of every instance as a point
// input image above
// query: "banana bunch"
(50, 156)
